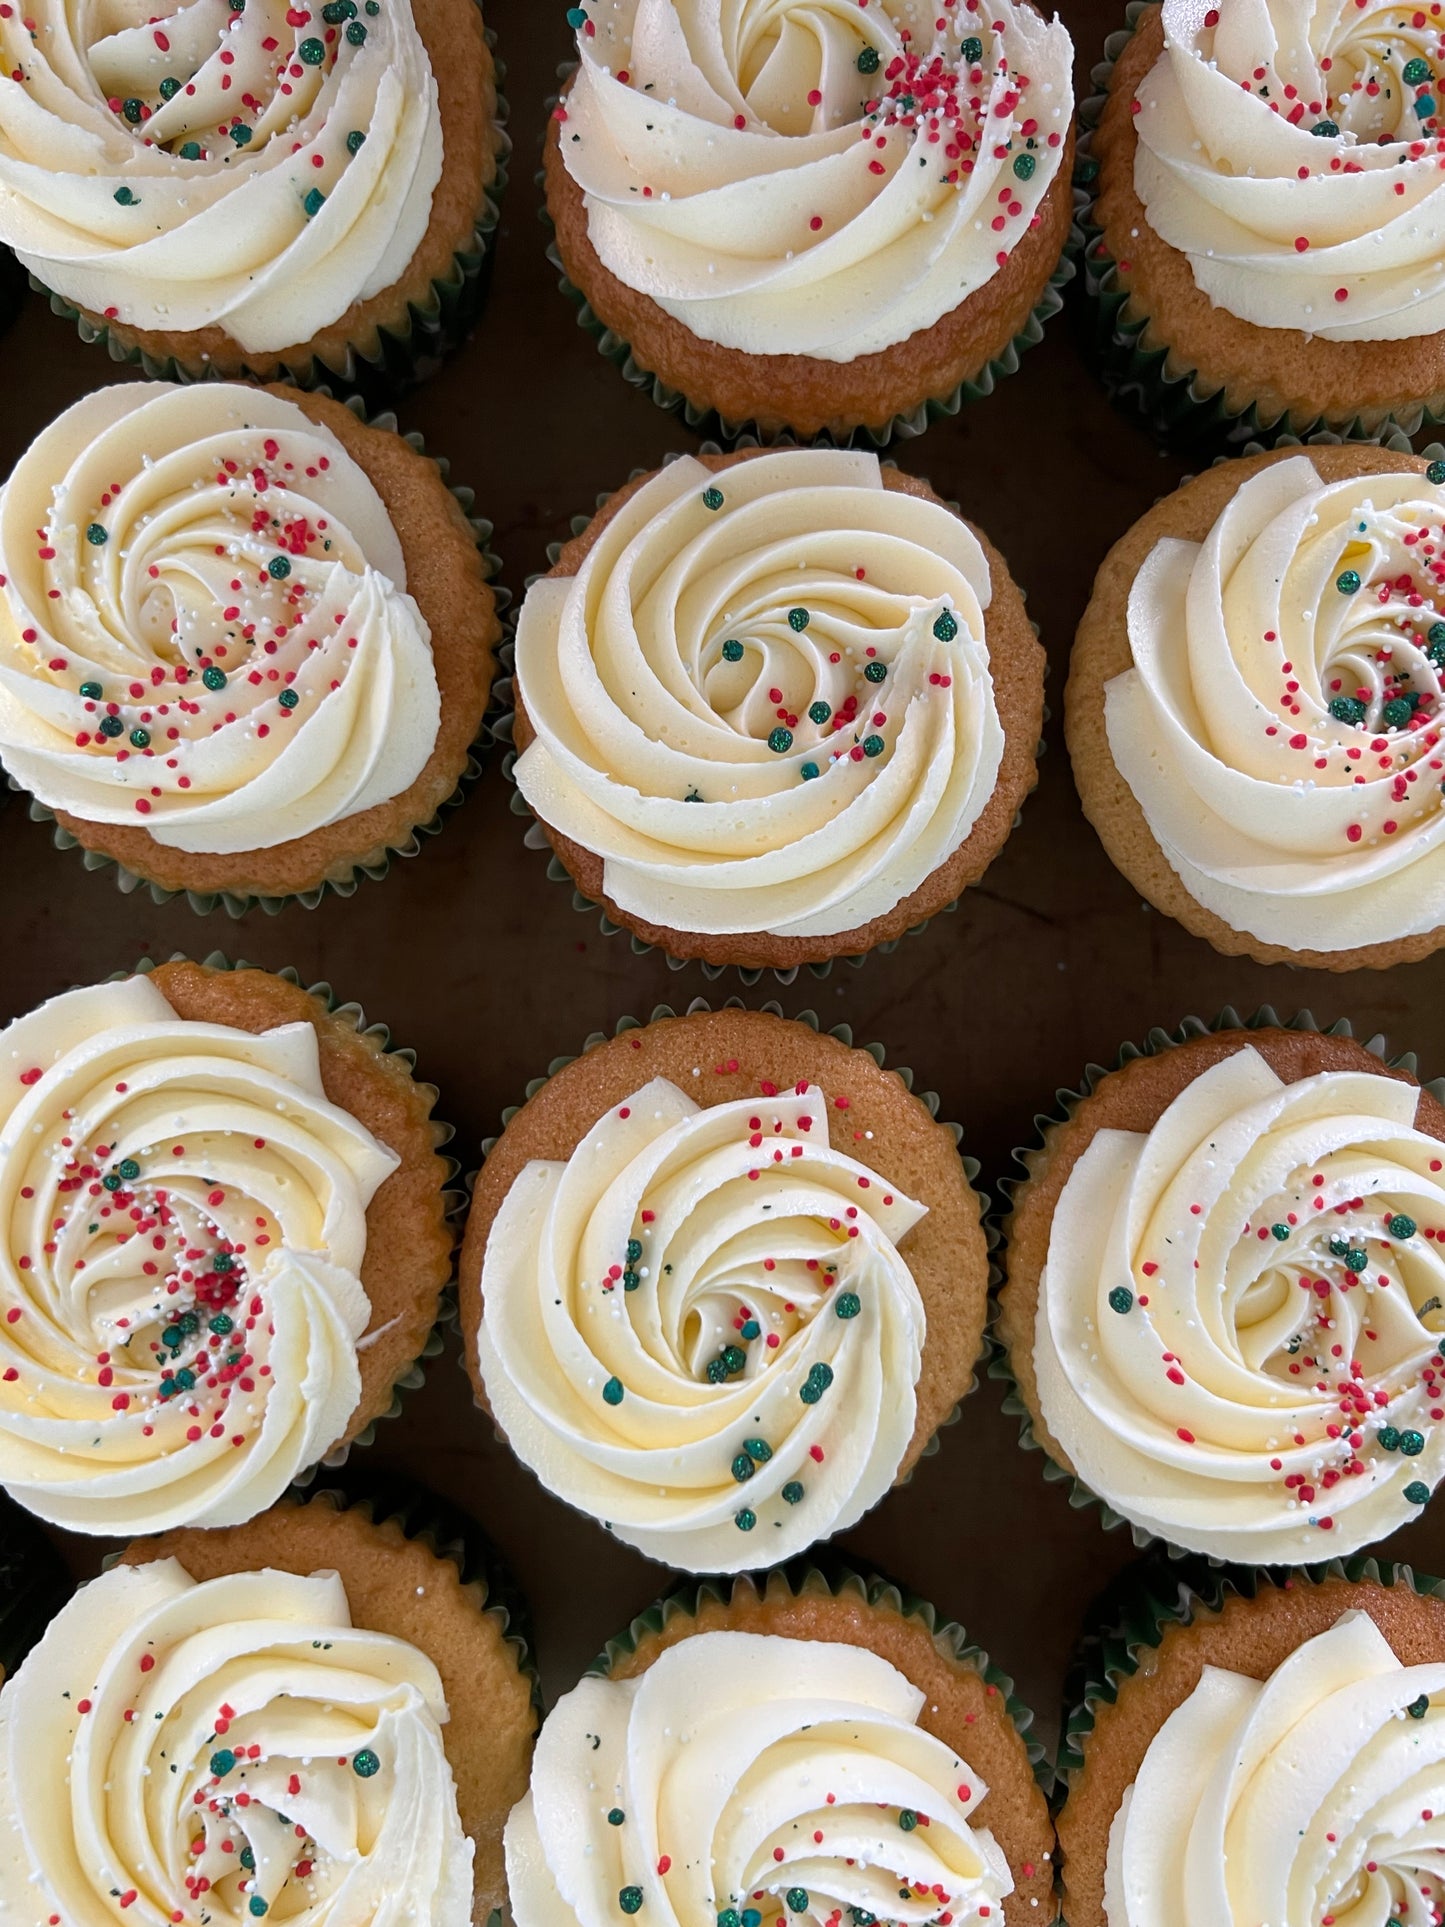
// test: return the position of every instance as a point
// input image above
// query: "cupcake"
(245, 640)
(1254, 708)
(1225, 1298)
(821, 219)
(723, 1280)
(1268, 192)
(784, 1753)
(308, 1717)
(776, 708)
(225, 1242)
(1279, 1757)
(330, 212)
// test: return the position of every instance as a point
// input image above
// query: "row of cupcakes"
(723, 1277)
(331, 1715)
(828, 223)
(769, 709)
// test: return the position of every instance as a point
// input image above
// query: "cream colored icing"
(1239, 1330)
(174, 1753)
(786, 1779)
(1281, 724)
(217, 567)
(1283, 149)
(195, 168)
(1310, 1796)
(764, 699)
(815, 179)
(182, 1226)
(700, 1329)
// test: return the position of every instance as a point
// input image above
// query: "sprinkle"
(1121, 1299)
(946, 627)
(1412, 1444)
(1417, 1493)
(712, 498)
(732, 650)
(745, 1520)
(869, 60)
(798, 620)
(848, 1305)
(792, 1492)
(1024, 165)
(616, 1817)
(876, 671)
(808, 772)
(214, 678)
(365, 1764)
(312, 52)
(96, 535)
(780, 740)
(1402, 1227)
(817, 1382)
(612, 1391)
(356, 32)
(1348, 582)
(124, 198)
(873, 745)
(313, 205)
(355, 141)
(1435, 473)
(743, 1468)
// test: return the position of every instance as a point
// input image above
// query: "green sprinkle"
(258, 1905)
(873, 745)
(1121, 1299)
(223, 1261)
(1416, 70)
(222, 1762)
(817, 1382)
(907, 1819)
(792, 1492)
(743, 1468)
(355, 141)
(1417, 1492)
(808, 772)
(946, 627)
(1348, 582)
(1347, 709)
(634, 1250)
(616, 1817)
(745, 1520)
(124, 198)
(111, 1181)
(133, 110)
(1412, 1444)
(712, 498)
(972, 49)
(288, 699)
(876, 671)
(170, 87)
(313, 52)
(1401, 1226)
(869, 61)
(612, 1391)
(214, 678)
(140, 738)
(752, 1329)
(1397, 712)
(173, 1337)
(96, 535)
(798, 1900)
(356, 32)
(111, 726)
(1326, 129)
(314, 203)
(221, 1325)
(1280, 1231)
(758, 1450)
(190, 151)
(92, 691)
(365, 1764)
(630, 1280)
(186, 1380)
(780, 740)
(128, 1169)
(1425, 106)
(1435, 473)
(732, 650)
(819, 712)
(248, 1859)
(279, 567)
(1389, 1438)
(1024, 165)
(576, 16)
(729, 1918)
(798, 619)
(1355, 1259)
(847, 1305)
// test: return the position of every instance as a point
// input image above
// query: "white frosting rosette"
(204, 623)
(1281, 725)
(1315, 1795)
(814, 179)
(174, 1753)
(258, 167)
(764, 699)
(700, 1329)
(752, 1779)
(1293, 153)
(1239, 1327)
(182, 1227)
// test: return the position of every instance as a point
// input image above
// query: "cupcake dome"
(1254, 707)
(256, 189)
(824, 218)
(776, 708)
(245, 641)
(1223, 1307)
(723, 1279)
(224, 1244)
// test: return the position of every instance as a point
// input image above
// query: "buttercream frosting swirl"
(182, 1226)
(258, 168)
(174, 1753)
(1308, 1797)
(812, 177)
(700, 1328)
(1281, 725)
(750, 1775)
(204, 623)
(764, 699)
(1293, 153)
(1239, 1330)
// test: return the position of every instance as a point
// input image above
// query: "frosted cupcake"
(1278, 1758)
(1254, 708)
(776, 708)
(245, 641)
(224, 1242)
(723, 1280)
(1269, 199)
(263, 189)
(786, 1753)
(1225, 1304)
(819, 219)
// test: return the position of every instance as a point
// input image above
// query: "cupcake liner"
(910, 423)
(34, 1584)
(348, 876)
(403, 355)
(454, 1194)
(501, 722)
(1178, 406)
(844, 1034)
(1066, 1102)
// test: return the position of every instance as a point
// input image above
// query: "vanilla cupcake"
(776, 708)
(245, 640)
(815, 220)
(223, 1242)
(263, 189)
(1254, 708)
(788, 1752)
(1268, 210)
(723, 1280)
(1225, 1300)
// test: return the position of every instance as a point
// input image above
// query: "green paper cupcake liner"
(34, 1584)
(1179, 406)
(500, 724)
(912, 422)
(454, 1193)
(349, 874)
(403, 355)
(1066, 1102)
(844, 1034)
